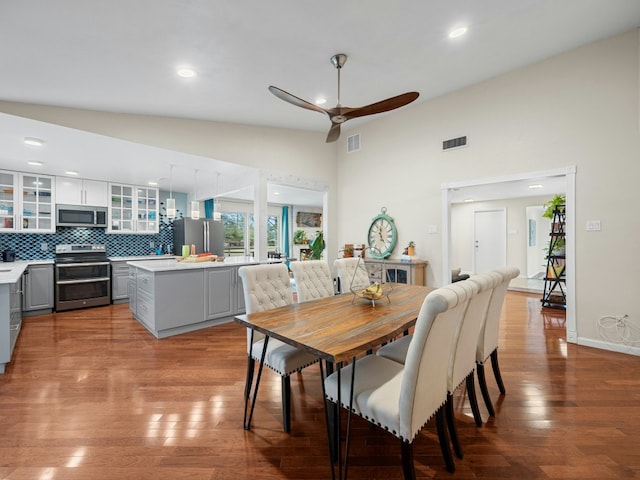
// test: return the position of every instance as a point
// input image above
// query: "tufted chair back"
(424, 382)
(488, 339)
(265, 287)
(313, 279)
(463, 361)
(352, 273)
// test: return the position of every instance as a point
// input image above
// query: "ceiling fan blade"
(383, 105)
(334, 133)
(292, 99)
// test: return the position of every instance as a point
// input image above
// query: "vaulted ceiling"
(122, 56)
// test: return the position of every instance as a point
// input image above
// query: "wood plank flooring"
(91, 395)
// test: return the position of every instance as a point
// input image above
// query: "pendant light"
(171, 202)
(217, 216)
(195, 205)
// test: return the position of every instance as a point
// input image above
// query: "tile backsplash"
(42, 246)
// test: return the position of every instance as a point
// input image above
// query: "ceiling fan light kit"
(340, 114)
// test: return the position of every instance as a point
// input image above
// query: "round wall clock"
(382, 236)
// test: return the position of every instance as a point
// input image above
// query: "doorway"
(568, 175)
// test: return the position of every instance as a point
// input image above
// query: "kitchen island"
(169, 297)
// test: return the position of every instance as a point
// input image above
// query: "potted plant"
(557, 202)
(347, 252)
(300, 237)
(411, 249)
(316, 246)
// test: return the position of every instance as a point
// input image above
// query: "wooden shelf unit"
(554, 295)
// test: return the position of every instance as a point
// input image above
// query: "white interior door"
(490, 240)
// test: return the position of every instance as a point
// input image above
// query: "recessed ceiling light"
(321, 101)
(71, 172)
(35, 163)
(33, 141)
(276, 193)
(534, 186)
(186, 72)
(457, 32)
(153, 184)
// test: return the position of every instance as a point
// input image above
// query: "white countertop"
(172, 264)
(141, 257)
(10, 272)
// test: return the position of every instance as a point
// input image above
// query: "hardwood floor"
(90, 394)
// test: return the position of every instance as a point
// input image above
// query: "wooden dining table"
(337, 329)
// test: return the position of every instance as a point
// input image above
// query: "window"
(234, 233)
(239, 233)
(273, 233)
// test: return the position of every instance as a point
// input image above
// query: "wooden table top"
(340, 327)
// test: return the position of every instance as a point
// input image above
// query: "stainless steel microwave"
(80, 216)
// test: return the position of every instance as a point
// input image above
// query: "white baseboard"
(613, 347)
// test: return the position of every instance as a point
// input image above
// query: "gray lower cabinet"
(10, 319)
(119, 281)
(37, 283)
(240, 307)
(219, 287)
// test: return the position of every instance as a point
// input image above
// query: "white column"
(260, 218)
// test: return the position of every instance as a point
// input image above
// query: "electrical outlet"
(152, 244)
(44, 246)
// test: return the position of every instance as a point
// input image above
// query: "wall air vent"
(353, 143)
(454, 143)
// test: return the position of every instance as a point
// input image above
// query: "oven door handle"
(87, 264)
(86, 280)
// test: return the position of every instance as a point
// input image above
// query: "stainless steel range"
(83, 276)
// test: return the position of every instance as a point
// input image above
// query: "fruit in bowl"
(373, 291)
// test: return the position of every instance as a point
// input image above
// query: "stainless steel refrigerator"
(206, 234)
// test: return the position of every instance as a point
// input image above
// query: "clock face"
(382, 236)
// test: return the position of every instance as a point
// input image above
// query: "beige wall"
(580, 108)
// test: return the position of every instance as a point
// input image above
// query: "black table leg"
(247, 423)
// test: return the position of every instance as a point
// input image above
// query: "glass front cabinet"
(132, 209)
(147, 210)
(27, 202)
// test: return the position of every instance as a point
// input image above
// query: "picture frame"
(309, 219)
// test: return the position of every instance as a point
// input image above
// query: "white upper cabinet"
(132, 209)
(27, 202)
(79, 191)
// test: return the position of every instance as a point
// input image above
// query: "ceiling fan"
(340, 114)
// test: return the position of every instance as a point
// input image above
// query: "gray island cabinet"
(169, 297)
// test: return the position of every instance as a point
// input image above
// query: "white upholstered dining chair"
(488, 340)
(313, 279)
(352, 273)
(266, 287)
(462, 363)
(401, 398)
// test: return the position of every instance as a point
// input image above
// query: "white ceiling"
(121, 56)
